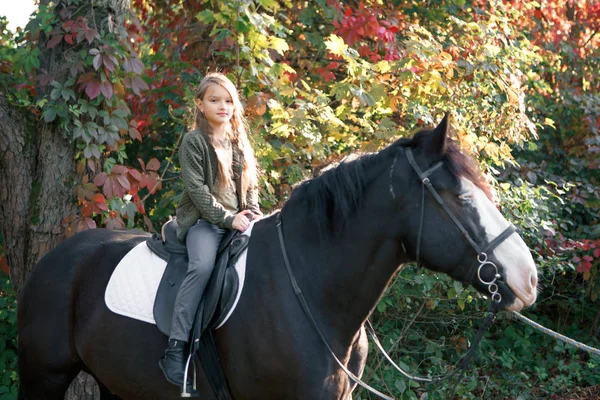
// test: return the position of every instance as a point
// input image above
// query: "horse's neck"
(344, 278)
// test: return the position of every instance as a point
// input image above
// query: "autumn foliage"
(325, 78)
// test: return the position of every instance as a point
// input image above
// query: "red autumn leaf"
(135, 174)
(123, 181)
(133, 65)
(137, 84)
(100, 178)
(85, 191)
(116, 186)
(134, 134)
(119, 169)
(93, 89)
(87, 209)
(115, 222)
(54, 41)
(87, 33)
(106, 89)
(134, 189)
(85, 79)
(100, 201)
(90, 223)
(153, 165)
(110, 62)
(597, 253)
(4, 264)
(65, 13)
(584, 266)
(142, 164)
(151, 181)
(91, 165)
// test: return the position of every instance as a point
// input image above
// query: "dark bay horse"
(346, 232)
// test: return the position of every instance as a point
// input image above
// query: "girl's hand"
(241, 222)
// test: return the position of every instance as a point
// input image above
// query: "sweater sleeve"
(190, 158)
(252, 200)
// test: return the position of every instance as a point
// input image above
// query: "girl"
(220, 192)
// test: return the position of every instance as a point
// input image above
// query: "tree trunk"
(36, 186)
(37, 176)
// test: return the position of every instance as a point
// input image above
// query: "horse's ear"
(439, 135)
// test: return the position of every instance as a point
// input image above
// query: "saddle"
(222, 286)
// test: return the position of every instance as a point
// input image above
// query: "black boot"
(173, 363)
(173, 366)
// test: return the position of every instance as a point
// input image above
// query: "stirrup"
(184, 387)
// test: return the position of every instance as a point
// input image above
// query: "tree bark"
(37, 175)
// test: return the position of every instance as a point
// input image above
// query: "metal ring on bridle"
(491, 285)
(493, 288)
(483, 264)
(482, 258)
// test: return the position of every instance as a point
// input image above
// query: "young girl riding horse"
(220, 192)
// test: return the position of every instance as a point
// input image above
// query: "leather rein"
(477, 267)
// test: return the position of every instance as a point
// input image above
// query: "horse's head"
(450, 220)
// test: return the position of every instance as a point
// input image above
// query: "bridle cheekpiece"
(482, 255)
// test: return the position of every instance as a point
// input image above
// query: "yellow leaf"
(278, 44)
(336, 45)
(383, 67)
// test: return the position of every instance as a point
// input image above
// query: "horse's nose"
(533, 279)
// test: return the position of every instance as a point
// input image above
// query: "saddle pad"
(131, 290)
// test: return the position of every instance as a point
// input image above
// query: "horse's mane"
(335, 194)
(332, 197)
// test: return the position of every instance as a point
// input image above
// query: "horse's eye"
(465, 196)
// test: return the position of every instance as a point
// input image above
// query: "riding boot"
(173, 366)
(173, 363)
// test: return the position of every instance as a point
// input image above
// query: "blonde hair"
(236, 133)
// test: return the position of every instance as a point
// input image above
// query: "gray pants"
(202, 243)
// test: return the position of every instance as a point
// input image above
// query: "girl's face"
(217, 106)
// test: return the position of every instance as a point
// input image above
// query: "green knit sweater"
(199, 167)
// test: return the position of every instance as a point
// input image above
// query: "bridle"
(482, 254)
(480, 263)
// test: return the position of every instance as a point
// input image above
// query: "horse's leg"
(43, 380)
(48, 361)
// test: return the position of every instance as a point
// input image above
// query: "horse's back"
(57, 271)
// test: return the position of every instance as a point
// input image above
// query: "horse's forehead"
(490, 217)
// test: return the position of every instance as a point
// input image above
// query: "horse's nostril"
(534, 280)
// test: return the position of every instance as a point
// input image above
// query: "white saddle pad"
(132, 288)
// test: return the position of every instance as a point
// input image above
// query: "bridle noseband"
(482, 255)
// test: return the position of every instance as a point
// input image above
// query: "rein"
(306, 309)
(476, 268)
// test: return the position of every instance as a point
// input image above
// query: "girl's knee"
(200, 267)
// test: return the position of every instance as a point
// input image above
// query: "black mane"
(332, 197)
